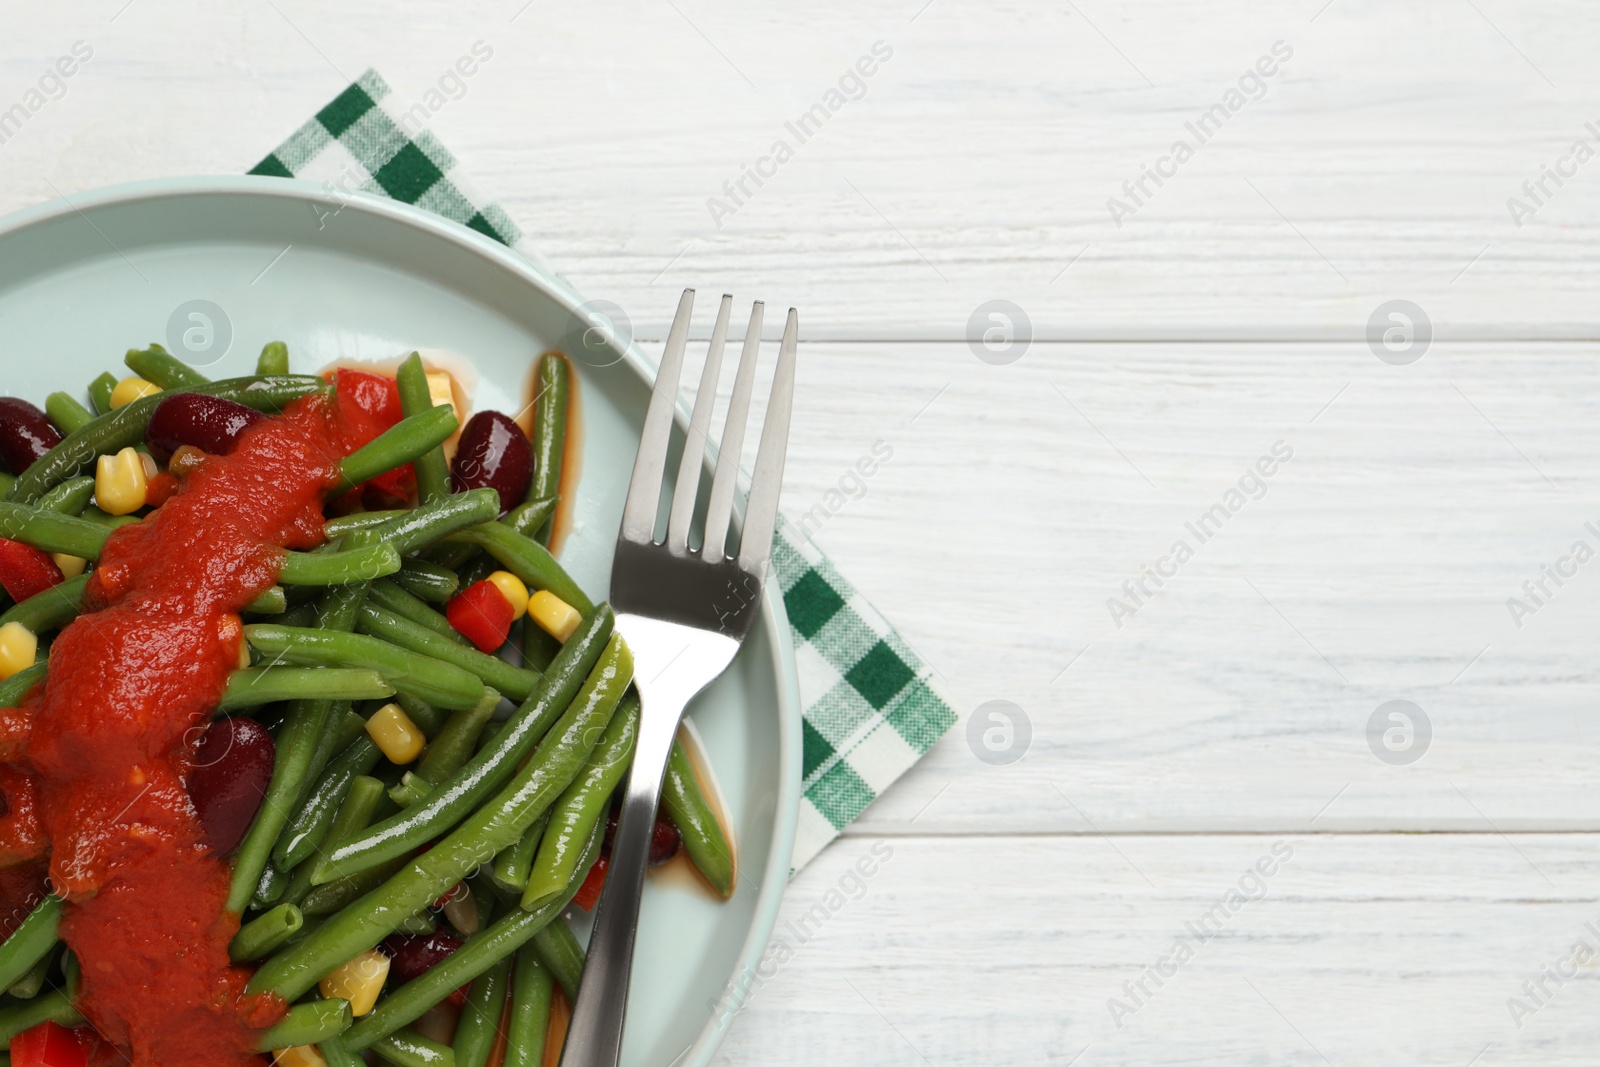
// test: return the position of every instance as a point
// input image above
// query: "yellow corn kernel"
(359, 981)
(119, 482)
(513, 590)
(18, 648)
(396, 736)
(71, 566)
(130, 389)
(554, 615)
(299, 1056)
(148, 462)
(441, 390)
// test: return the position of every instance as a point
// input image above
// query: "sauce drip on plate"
(131, 686)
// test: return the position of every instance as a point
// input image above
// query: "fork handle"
(667, 680)
(594, 1036)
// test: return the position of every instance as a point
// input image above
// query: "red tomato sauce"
(132, 683)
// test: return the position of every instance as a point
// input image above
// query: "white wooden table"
(1064, 908)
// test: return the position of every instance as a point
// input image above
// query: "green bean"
(337, 1055)
(270, 601)
(51, 530)
(331, 897)
(70, 497)
(100, 392)
(342, 729)
(110, 522)
(558, 947)
(476, 569)
(30, 941)
(299, 615)
(450, 555)
(686, 806)
(475, 841)
(530, 517)
(426, 581)
(515, 682)
(433, 474)
(481, 1014)
(66, 412)
(14, 688)
(539, 646)
(355, 814)
(156, 364)
(71, 973)
(486, 772)
(334, 529)
(512, 866)
(550, 429)
(261, 936)
(274, 358)
(338, 568)
(398, 445)
(438, 683)
(429, 719)
(254, 686)
(296, 745)
(528, 560)
(28, 986)
(125, 426)
(450, 750)
(270, 889)
(49, 608)
(585, 803)
(419, 923)
(52, 1007)
(477, 955)
(491, 730)
(308, 1023)
(423, 526)
(407, 1048)
(309, 826)
(395, 600)
(532, 990)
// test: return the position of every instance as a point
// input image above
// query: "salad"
(308, 743)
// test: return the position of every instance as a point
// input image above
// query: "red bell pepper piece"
(588, 894)
(25, 570)
(160, 489)
(49, 1045)
(481, 614)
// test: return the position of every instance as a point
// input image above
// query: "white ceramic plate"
(367, 279)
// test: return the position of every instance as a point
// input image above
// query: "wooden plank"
(977, 163)
(1355, 949)
(1017, 500)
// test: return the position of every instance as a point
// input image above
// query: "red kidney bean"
(664, 842)
(210, 423)
(414, 954)
(26, 433)
(493, 453)
(232, 765)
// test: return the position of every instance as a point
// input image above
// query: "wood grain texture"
(976, 163)
(1356, 950)
(1226, 314)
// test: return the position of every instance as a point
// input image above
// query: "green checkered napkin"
(871, 708)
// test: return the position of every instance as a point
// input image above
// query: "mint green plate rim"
(541, 284)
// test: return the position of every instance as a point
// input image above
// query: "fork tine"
(720, 508)
(761, 512)
(694, 447)
(644, 491)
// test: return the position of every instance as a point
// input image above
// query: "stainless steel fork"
(684, 612)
